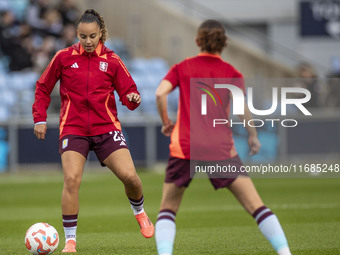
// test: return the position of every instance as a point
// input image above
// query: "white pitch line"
(274, 207)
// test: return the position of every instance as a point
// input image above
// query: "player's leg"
(73, 150)
(73, 165)
(177, 179)
(172, 197)
(166, 226)
(246, 193)
(121, 164)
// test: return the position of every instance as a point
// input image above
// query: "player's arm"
(44, 87)
(125, 85)
(253, 141)
(130, 97)
(164, 88)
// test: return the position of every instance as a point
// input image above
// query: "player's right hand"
(167, 128)
(40, 131)
(134, 97)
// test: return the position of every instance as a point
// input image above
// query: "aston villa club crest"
(103, 66)
(65, 143)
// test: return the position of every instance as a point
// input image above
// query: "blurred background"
(273, 43)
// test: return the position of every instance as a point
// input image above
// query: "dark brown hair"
(90, 16)
(211, 36)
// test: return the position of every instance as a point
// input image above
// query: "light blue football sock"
(272, 230)
(165, 231)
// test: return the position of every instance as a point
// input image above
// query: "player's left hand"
(254, 145)
(134, 97)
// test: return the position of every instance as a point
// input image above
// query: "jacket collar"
(97, 51)
(205, 54)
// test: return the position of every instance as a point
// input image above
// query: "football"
(41, 238)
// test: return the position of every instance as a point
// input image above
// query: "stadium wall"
(315, 139)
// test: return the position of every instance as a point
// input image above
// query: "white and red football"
(41, 238)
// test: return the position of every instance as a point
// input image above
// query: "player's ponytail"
(211, 36)
(90, 16)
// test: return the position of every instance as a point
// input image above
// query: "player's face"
(89, 35)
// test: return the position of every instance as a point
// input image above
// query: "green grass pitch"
(208, 222)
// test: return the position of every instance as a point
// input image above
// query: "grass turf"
(208, 222)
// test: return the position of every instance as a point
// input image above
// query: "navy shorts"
(103, 145)
(178, 171)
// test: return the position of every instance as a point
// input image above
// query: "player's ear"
(197, 42)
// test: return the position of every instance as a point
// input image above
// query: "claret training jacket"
(87, 82)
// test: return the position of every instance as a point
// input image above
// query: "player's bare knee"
(72, 183)
(132, 180)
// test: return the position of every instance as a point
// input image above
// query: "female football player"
(89, 73)
(190, 147)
